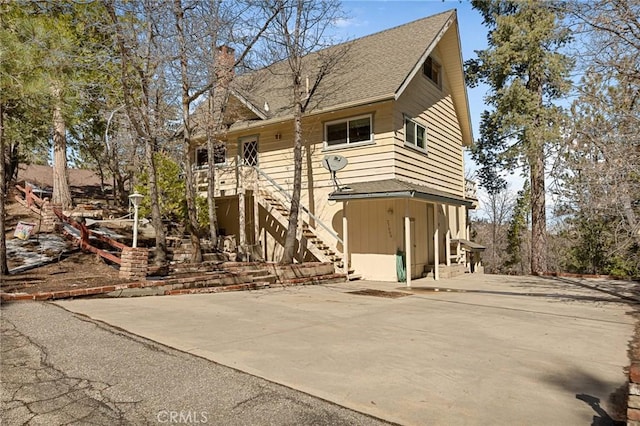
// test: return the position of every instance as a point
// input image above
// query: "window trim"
(347, 144)
(205, 165)
(414, 145)
(439, 70)
(244, 139)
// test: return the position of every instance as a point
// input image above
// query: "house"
(396, 112)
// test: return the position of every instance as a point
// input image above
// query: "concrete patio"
(491, 350)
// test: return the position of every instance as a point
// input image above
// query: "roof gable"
(374, 67)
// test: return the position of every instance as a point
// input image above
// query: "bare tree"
(601, 159)
(300, 29)
(142, 60)
(197, 79)
(498, 209)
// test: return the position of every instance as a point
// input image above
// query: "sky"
(371, 16)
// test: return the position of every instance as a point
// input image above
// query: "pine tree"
(526, 74)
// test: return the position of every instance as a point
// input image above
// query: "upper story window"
(219, 155)
(356, 130)
(433, 71)
(415, 134)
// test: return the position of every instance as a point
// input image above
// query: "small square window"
(415, 134)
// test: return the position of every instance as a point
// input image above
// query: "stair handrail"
(286, 195)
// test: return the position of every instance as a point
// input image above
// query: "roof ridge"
(333, 46)
(449, 11)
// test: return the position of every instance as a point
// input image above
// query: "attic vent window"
(433, 71)
(352, 131)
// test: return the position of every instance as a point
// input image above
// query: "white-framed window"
(415, 134)
(249, 150)
(433, 71)
(350, 131)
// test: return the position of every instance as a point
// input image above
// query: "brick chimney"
(225, 60)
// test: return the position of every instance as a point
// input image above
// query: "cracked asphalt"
(60, 368)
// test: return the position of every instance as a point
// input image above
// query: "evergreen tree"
(518, 229)
(526, 74)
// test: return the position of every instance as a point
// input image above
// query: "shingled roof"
(374, 68)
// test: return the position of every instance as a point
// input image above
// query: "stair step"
(271, 279)
(354, 277)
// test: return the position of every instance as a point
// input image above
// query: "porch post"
(458, 230)
(407, 247)
(256, 221)
(242, 233)
(436, 242)
(447, 242)
(345, 239)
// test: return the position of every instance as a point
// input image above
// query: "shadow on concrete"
(602, 418)
(632, 296)
(585, 385)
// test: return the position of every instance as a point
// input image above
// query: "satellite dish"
(333, 163)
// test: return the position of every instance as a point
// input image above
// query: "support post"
(407, 247)
(345, 239)
(242, 222)
(436, 242)
(447, 238)
(256, 220)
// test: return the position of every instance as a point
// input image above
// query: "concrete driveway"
(495, 350)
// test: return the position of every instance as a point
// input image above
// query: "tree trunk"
(538, 213)
(192, 222)
(156, 218)
(192, 212)
(211, 190)
(4, 270)
(61, 192)
(290, 240)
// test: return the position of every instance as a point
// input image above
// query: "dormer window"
(433, 71)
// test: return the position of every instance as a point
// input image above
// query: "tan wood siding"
(442, 165)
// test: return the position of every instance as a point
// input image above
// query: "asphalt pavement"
(60, 368)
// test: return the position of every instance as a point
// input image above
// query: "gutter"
(288, 117)
(343, 196)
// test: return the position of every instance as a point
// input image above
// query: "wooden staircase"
(307, 237)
